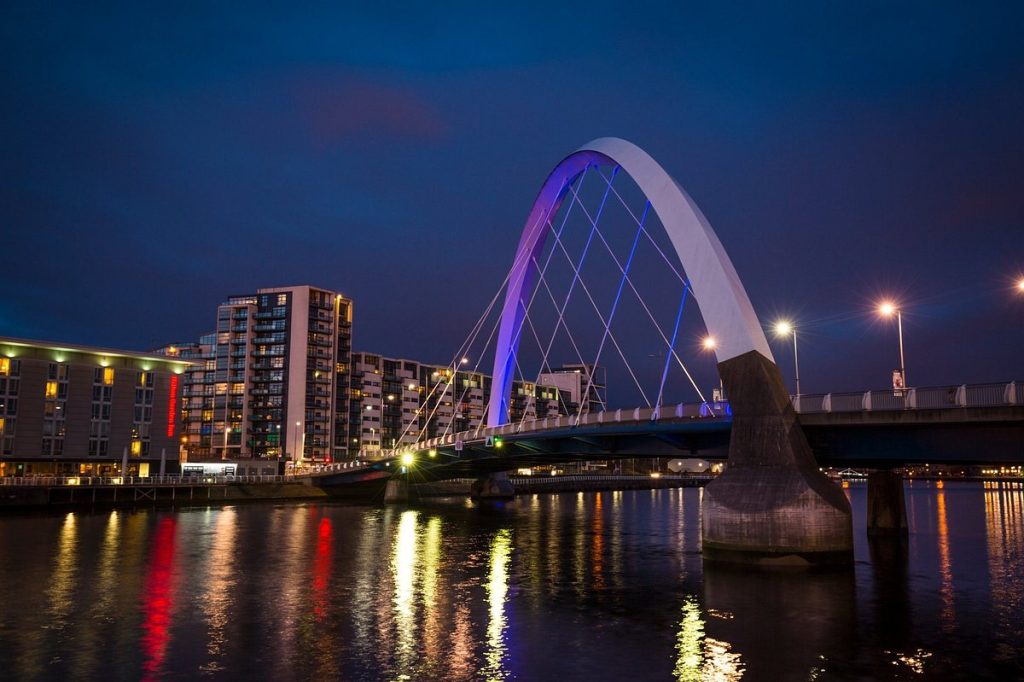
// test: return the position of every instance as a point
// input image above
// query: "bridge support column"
(492, 487)
(887, 508)
(772, 505)
(397, 491)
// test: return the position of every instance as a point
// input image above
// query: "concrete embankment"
(14, 497)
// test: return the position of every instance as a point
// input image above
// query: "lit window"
(136, 447)
(51, 389)
(5, 366)
(1, 424)
(108, 376)
(142, 378)
(282, 299)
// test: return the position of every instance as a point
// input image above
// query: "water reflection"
(220, 582)
(1004, 535)
(158, 598)
(811, 618)
(608, 586)
(403, 566)
(62, 576)
(948, 615)
(497, 590)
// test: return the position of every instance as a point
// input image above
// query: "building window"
(51, 390)
(108, 376)
(5, 366)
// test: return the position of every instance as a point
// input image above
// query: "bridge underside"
(884, 440)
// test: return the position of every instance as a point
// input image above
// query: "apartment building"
(397, 402)
(274, 379)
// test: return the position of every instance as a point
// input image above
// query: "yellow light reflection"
(432, 626)
(945, 564)
(497, 591)
(62, 579)
(597, 550)
(1004, 532)
(688, 642)
(700, 658)
(403, 568)
(220, 587)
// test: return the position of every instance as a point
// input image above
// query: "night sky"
(158, 159)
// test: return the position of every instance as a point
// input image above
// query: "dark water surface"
(605, 586)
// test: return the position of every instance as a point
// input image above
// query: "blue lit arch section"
(720, 295)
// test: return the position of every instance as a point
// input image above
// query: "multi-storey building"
(582, 388)
(274, 383)
(398, 402)
(70, 409)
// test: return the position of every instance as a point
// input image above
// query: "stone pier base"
(396, 492)
(772, 505)
(776, 516)
(493, 487)
(887, 509)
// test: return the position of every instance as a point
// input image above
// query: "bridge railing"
(926, 398)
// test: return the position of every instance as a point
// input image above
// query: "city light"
(1020, 285)
(464, 361)
(785, 328)
(709, 343)
(408, 458)
(887, 309)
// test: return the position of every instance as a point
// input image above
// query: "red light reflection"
(158, 599)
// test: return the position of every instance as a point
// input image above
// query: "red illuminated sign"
(172, 406)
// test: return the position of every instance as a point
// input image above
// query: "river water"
(596, 586)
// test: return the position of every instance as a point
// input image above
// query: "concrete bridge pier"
(772, 505)
(887, 508)
(397, 491)
(492, 487)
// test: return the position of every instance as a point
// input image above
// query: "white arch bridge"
(595, 281)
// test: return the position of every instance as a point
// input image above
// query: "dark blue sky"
(157, 160)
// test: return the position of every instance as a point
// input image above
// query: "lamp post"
(709, 343)
(888, 309)
(295, 445)
(1020, 286)
(785, 328)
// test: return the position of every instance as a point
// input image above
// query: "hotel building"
(67, 409)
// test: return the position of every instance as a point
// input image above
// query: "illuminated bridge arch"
(720, 295)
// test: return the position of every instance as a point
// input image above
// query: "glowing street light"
(709, 343)
(785, 328)
(888, 309)
(1020, 285)
(464, 361)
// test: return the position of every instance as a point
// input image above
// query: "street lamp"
(785, 328)
(295, 444)
(888, 309)
(709, 343)
(1020, 285)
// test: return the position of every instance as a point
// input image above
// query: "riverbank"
(61, 496)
